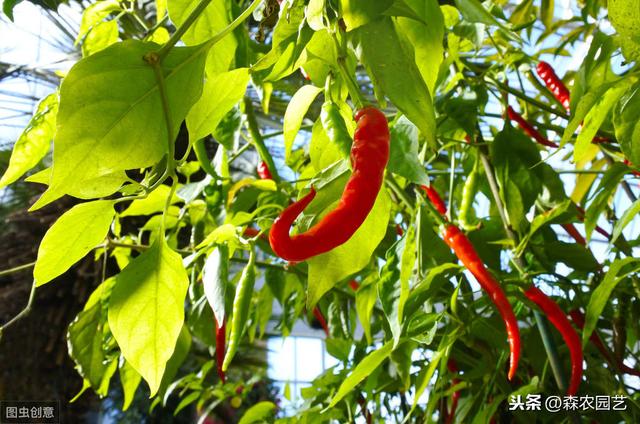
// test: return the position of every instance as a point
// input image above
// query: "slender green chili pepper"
(469, 191)
(528, 128)
(466, 253)
(220, 345)
(335, 127)
(554, 83)
(240, 311)
(201, 154)
(562, 324)
(369, 157)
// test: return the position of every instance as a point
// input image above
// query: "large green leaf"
(366, 297)
(393, 290)
(258, 413)
(328, 269)
(358, 12)
(111, 116)
(220, 94)
(94, 14)
(146, 310)
(404, 159)
(215, 278)
(71, 237)
(626, 119)
(214, 18)
(34, 142)
(130, 380)
(394, 70)
(361, 371)
(425, 35)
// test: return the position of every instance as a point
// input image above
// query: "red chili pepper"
(578, 318)
(354, 285)
(221, 333)
(435, 199)
(554, 83)
(467, 254)
(574, 233)
(263, 171)
(323, 323)
(630, 165)
(528, 128)
(399, 230)
(455, 397)
(562, 324)
(369, 157)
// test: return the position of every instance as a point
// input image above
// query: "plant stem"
(24, 312)
(17, 268)
(257, 140)
(528, 99)
(197, 11)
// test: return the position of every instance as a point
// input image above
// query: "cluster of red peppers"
(466, 253)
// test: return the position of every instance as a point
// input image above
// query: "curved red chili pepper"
(399, 230)
(263, 171)
(323, 323)
(554, 83)
(467, 254)
(528, 128)
(369, 157)
(562, 324)
(435, 199)
(221, 334)
(574, 233)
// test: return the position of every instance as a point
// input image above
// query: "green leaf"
(626, 119)
(296, 110)
(215, 278)
(425, 36)
(85, 339)
(627, 217)
(606, 189)
(328, 269)
(100, 37)
(34, 142)
(424, 377)
(130, 380)
(103, 100)
(403, 156)
(384, 54)
(601, 294)
(315, 14)
(153, 203)
(215, 18)
(258, 413)
(596, 116)
(146, 311)
(71, 237)
(220, 94)
(358, 12)
(361, 371)
(474, 11)
(94, 14)
(393, 290)
(366, 297)
(573, 255)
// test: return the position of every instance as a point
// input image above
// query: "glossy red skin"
(467, 254)
(528, 128)
(455, 397)
(435, 199)
(562, 324)
(554, 83)
(263, 171)
(323, 323)
(369, 156)
(354, 285)
(221, 333)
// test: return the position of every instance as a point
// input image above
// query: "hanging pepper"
(335, 127)
(240, 311)
(562, 324)
(466, 253)
(435, 199)
(455, 397)
(263, 171)
(323, 322)
(369, 156)
(528, 128)
(554, 83)
(220, 343)
(578, 318)
(469, 190)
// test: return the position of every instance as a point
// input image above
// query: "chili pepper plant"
(437, 186)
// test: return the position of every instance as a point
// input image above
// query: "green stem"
(197, 11)
(24, 312)
(201, 153)
(352, 86)
(528, 99)
(16, 269)
(398, 191)
(257, 140)
(552, 350)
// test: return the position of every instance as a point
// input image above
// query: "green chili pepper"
(469, 191)
(240, 311)
(335, 127)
